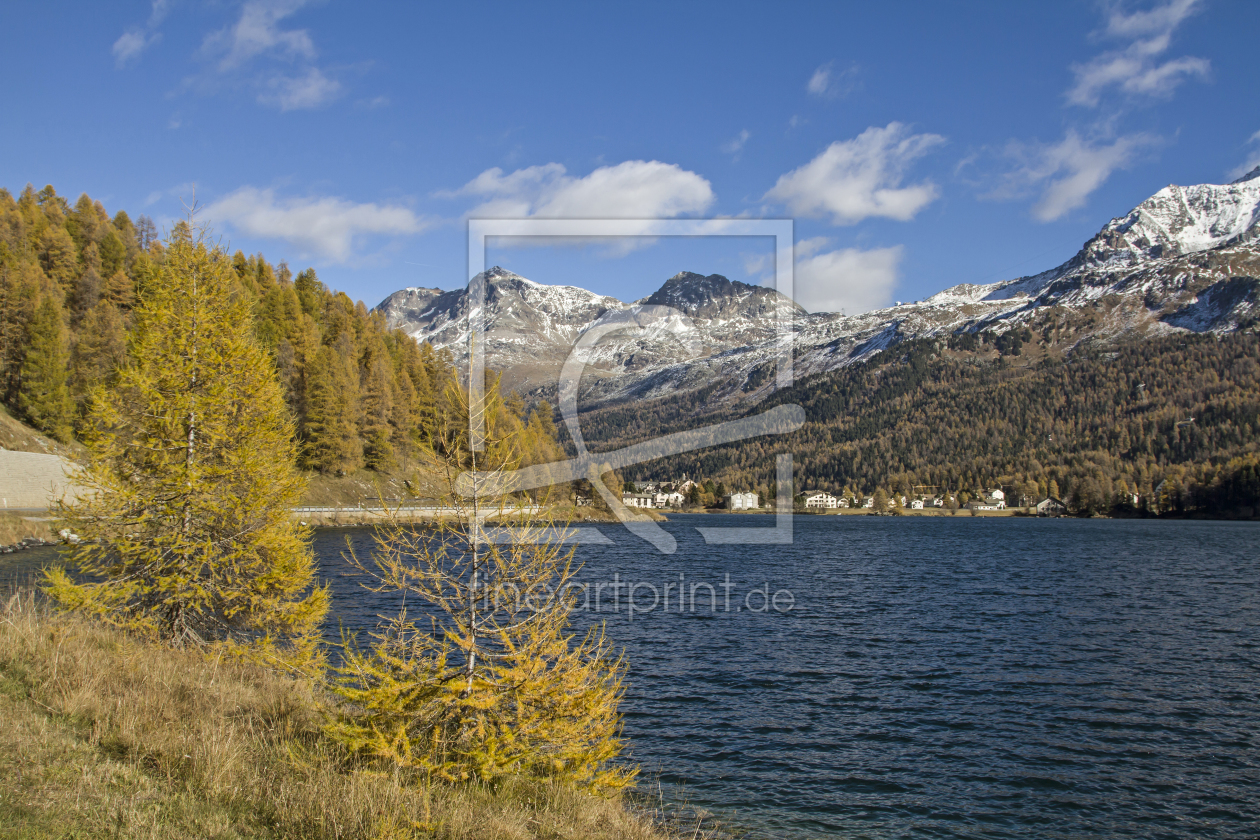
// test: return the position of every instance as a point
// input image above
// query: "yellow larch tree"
(481, 676)
(186, 525)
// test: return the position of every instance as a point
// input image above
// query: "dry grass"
(19, 437)
(14, 528)
(103, 736)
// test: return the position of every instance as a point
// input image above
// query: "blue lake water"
(937, 677)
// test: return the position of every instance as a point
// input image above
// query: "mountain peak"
(1178, 221)
(1250, 176)
(715, 296)
(500, 273)
(689, 291)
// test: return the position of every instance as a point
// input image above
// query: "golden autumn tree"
(186, 524)
(480, 676)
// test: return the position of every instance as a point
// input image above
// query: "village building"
(985, 504)
(663, 499)
(822, 500)
(992, 500)
(1050, 506)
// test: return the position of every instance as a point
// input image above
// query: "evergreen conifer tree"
(44, 397)
(332, 435)
(187, 528)
(880, 503)
(493, 685)
(100, 347)
(19, 298)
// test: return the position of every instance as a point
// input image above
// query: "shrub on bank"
(104, 735)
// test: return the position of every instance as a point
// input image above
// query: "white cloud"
(137, 39)
(847, 280)
(760, 266)
(828, 84)
(1158, 21)
(279, 62)
(1136, 70)
(635, 189)
(131, 43)
(257, 32)
(642, 191)
(855, 179)
(186, 193)
(1067, 172)
(309, 90)
(1253, 159)
(820, 80)
(736, 144)
(324, 226)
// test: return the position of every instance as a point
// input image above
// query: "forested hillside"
(1175, 420)
(362, 396)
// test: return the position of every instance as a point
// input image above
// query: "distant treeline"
(1174, 420)
(361, 395)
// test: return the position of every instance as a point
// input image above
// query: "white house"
(742, 501)
(991, 501)
(822, 500)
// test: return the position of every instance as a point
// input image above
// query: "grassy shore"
(355, 516)
(16, 527)
(104, 736)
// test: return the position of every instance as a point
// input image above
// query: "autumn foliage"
(480, 677)
(186, 524)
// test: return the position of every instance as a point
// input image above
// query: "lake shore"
(104, 735)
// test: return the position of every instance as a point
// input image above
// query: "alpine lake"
(923, 677)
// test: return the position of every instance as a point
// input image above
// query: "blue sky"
(916, 145)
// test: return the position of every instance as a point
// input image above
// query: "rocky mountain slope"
(1186, 259)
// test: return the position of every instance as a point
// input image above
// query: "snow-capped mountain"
(1187, 258)
(530, 328)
